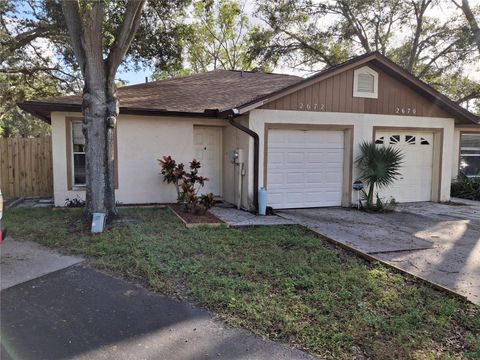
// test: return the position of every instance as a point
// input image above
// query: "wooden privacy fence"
(26, 167)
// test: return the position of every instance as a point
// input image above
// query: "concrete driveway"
(22, 261)
(439, 242)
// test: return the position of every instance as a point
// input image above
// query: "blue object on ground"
(262, 201)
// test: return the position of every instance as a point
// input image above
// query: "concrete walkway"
(439, 242)
(239, 218)
(21, 261)
(80, 313)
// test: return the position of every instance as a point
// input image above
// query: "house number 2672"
(314, 107)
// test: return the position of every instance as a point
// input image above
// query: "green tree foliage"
(307, 34)
(217, 37)
(27, 65)
(37, 61)
(464, 5)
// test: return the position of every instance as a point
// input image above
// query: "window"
(470, 154)
(380, 140)
(424, 141)
(410, 139)
(365, 83)
(78, 152)
(394, 139)
(76, 158)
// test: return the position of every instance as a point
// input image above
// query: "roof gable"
(400, 91)
(335, 94)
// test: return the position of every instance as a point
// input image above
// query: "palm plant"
(379, 167)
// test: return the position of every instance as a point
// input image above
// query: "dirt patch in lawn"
(189, 219)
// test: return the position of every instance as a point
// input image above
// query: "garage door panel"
(275, 198)
(314, 158)
(415, 182)
(277, 158)
(323, 157)
(276, 179)
(312, 173)
(314, 178)
(295, 178)
(295, 158)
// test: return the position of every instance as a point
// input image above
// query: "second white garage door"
(415, 181)
(304, 168)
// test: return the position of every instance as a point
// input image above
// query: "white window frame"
(74, 185)
(361, 94)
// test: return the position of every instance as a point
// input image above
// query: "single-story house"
(297, 137)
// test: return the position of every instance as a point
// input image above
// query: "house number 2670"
(405, 110)
(314, 107)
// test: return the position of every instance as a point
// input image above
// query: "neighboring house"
(297, 137)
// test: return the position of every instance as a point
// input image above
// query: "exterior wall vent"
(365, 83)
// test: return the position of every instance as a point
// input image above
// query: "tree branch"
(304, 44)
(26, 37)
(435, 58)
(125, 35)
(467, 11)
(473, 95)
(419, 10)
(71, 11)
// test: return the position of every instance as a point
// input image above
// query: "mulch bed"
(192, 220)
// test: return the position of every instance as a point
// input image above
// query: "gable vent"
(366, 83)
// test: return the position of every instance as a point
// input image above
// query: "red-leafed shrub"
(187, 184)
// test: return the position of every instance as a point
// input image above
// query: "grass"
(280, 282)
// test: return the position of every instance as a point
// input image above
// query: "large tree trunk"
(100, 105)
(99, 119)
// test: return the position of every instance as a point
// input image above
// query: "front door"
(208, 150)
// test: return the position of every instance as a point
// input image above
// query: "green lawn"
(280, 282)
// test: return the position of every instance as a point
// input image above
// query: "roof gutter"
(256, 150)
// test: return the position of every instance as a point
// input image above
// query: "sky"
(135, 77)
(440, 11)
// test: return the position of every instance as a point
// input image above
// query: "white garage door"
(304, 168)
(415, 182)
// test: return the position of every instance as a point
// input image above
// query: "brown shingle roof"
(216, 93)
(196, 94)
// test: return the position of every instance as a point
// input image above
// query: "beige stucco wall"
(456, 146)
(141, 140)
(363, 130)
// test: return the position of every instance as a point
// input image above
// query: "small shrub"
(466, 188)
(207, 200)
(76, 202)
(379, 167)
(385, 206)
(187, 184)
(382, 206)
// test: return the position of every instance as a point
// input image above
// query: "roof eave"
(38, 107)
